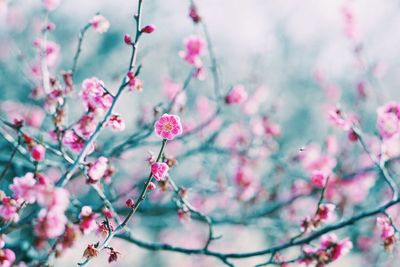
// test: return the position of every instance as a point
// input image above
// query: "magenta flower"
(7, 257)
(318, 179)
(168, 126)
(159, 170)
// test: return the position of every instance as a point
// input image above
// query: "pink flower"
(236, 95)
(9, 210)
(24, 188)
(194, 46)
(116, 122)
(50, 48)
(97, 170)
(168, 126)
(75, 142)
(159, 170)
(51, 4)
(50, 224)
(88, 222)
(7, 257)
(386, 227)
(100, 23)
(86, 125)
(94, 96)
(318, 179)
(325, 212)
(54, 198)
(388, 121)
(38, 152)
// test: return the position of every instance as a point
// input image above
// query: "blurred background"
(306, 56)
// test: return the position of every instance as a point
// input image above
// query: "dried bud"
(90, 251)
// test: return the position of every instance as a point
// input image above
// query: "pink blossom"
(236, 95)
(50, 224)
(116, 122)
(88, 222)
(9, 210)
(97, 170)
(325, 212)
(159, 170)
(194, 46)
(24, 188)
(75, 142)
(387, 230)
(100, 23)
(7, 257)
(51, 4)
(318, 179)
(50, 48)
(94, 96)
(38, 152)
(168, 126)
(54, 198)
(388, 121)
(86, 125)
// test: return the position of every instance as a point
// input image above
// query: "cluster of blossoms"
(388, 232)
(330, 249)
(54, 201)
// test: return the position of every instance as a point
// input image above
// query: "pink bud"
(38, 152)
(352, 136)
(148, 28)
(127, 39)
(151, 186)
(129, 203)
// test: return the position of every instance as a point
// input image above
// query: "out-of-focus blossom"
(9, 210)
(388, 121)
(318, 179)
(24, 188)
(51, 4)
(97, 169)
(388, 232)
(116, 122)
(194, 46)
(236, 95)
(159, 170)
(168, 126)
(87, 222)
(7, 257)
(100, 23)
(50, 224)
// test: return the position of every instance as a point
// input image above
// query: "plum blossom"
(51, 50)
(100, 23)
(168, 126)
(388, 121)
(159, 170)
(318, 179)
(148, 28)
(97, 169)
(116, 122)
(9, 209)
(51, 4)
(50, 224)
(75, 142)
(94, 96)
(24, 188)
(86, 125)
(87, 220)
(388, 232)
(236, 95)
(7, 257)
(194, 47)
